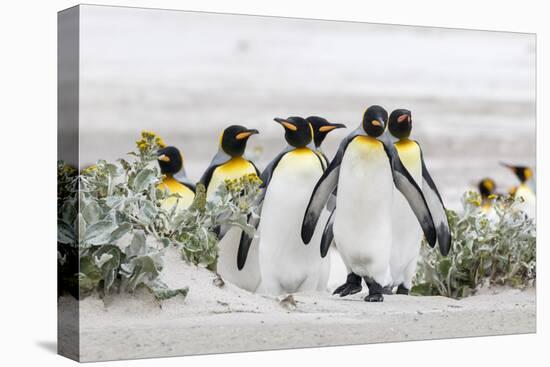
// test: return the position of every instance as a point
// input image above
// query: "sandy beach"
(227, 319)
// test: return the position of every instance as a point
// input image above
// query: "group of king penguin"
(526, 190)
(375, 201)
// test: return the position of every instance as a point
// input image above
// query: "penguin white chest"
(286, 264)
(362, 224)
(529, 200)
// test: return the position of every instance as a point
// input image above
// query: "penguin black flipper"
(437, 208)
(182, 178)
(258, 173)
(328, 236)
(265, 176)
(267, 173)
(246, 240)
(207, 175)
(323, 189)
(406, 184)
(219, 159)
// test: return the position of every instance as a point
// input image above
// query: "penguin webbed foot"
(347, 289)
(402, 290)
(374, 298)
(387, 290)
(351, 286)
(375, 291)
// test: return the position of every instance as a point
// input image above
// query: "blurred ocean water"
(188, 75)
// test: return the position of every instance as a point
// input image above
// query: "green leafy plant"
(67, 227)
(496, 250)
(195, 231)
(112, 224)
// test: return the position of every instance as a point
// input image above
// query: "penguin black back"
(400, 123)
(234, 138)
(374, 120)
(170, 160)
(298, 132)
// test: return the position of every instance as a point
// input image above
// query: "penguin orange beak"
(377, 123)
(512, 168)
(163, 158)
(506, 165)
(404, 118)
(286, 124)
(327, 128)
(246, 134)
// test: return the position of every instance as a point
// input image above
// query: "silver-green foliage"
(195, 231)
(120, 230)
(500, 249)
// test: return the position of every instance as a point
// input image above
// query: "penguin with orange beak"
(170, 161)
(229, 163)
(525, 190)
(287, 266)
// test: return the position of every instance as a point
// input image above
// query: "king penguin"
(175, 180)
(487, 191)
(525, 190)
(286, 265)
(365, 170)
(228, 163)
(331, 257)
(406, 232)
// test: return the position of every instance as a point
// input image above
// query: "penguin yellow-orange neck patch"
(405, 143)
(173, 185)
(235, 166)
(368, 140)
(303, 150)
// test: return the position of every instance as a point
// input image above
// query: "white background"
(28, 182)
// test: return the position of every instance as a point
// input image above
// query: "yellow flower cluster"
(149, 140)
(142, 145)
(67, 169)
(89, 170)
(252, 179)
(233, 185)
(160, 142)
(239, 184)
(475, 201)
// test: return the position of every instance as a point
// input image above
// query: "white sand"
(228, 319)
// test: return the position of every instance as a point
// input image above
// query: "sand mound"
(204, 297)
(213, 319)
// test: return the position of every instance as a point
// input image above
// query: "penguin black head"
(400, 123)
(486, 187)
(375, 119)
(234, 138)
(298, 132)
(170, 160)
(523, 173)
(321, 127)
